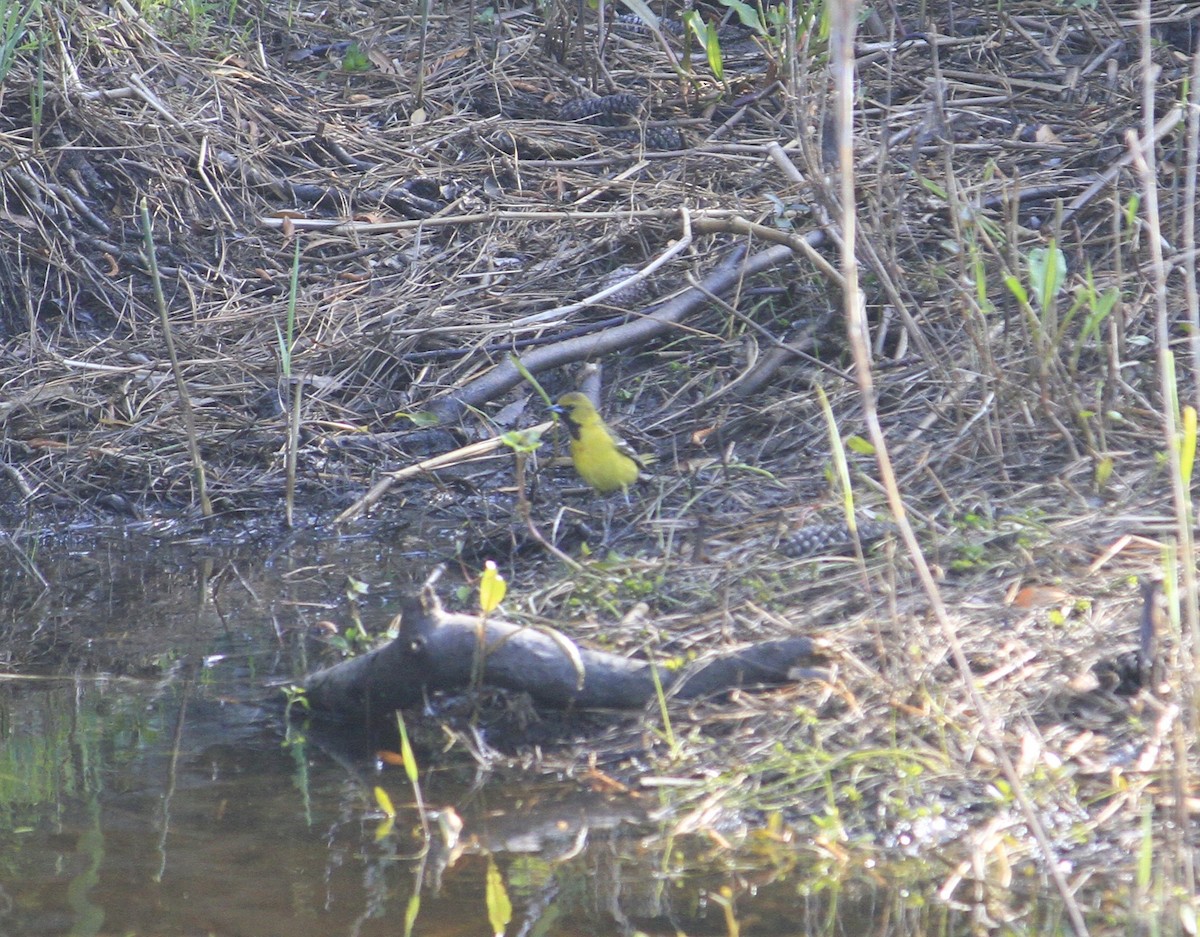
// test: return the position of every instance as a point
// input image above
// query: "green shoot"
(492, 588)
(706, 33)
(1047, 273)
(528, 375)
(13, 23)
(661, 695)
(411, 772)
(294, 696)
(838, 452)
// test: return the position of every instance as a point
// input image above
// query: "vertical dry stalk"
(1144, 163)
(185, 400)
(844, 19)
(1192, 297)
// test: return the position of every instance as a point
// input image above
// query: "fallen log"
(437, 651)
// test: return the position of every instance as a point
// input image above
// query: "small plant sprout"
(522, 441)
(1098, 307)
(1047, 273)
(837, 449)
(706, 33)
(409, 760)
(491, 593)
(356, 590)
(406, 758)
(295, 696)
(492, 588)
(527, 375)
(660, 695)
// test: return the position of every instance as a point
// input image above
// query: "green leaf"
(498, 905)
(528, 376)
(642, 10)
(706, 33)
(712, 48)
(355, 60)
(522, 440)
(747, 14)
(422, 419)
(1047, 273)
(1132, 207)
(859, 446)
(1015, 287)
(285, 352)
(930, 186)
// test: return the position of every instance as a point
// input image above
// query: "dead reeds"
(1020, 301)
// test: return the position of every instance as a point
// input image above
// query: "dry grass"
(437, 236)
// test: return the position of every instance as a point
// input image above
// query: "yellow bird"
(602, 458)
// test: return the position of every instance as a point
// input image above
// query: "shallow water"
(149, 784)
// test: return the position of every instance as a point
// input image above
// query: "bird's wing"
(624, 448)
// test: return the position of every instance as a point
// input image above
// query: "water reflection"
(129, 808)
(153, 790)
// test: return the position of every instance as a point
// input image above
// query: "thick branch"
(633, 334)
(436, 651)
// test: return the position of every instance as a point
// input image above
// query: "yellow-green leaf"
(1104, 470)
(384, 802)
(411, 910)
(498, 905)
(422, 419)
(859, 446)
(1015, 287)
(406, 752)
(491, 588)
(522, 440)
(384, 830)
(1187, 448)
(355, 60)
